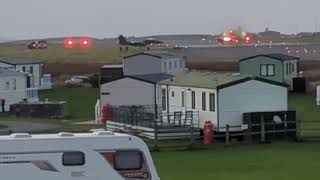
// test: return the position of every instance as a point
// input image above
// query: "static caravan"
(222, 98)
(276, 67)
(99, 155)
(32, 68)
(13, 89)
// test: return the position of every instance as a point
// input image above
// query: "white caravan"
(101, 155)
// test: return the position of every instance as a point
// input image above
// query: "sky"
(24, 19)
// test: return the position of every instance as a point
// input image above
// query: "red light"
(68, 43)
(85, 42)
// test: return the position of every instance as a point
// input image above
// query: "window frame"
(128, 151)
(164, 99)
(293, 68)
(273, 70)
(31, 69)
(14, 84)
(193, 100)
(7, 85)
(267, 66)
(183, 99)
(204, 101)
(83, 161)
(212, 102)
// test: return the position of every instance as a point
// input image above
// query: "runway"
(304, 51)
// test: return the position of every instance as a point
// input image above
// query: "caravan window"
(128, 160)
(193, 100)
(73, 159)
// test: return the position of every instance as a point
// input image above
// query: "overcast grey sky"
(109, 18)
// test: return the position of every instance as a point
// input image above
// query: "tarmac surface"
(304, 51)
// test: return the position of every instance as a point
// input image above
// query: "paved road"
(307, 51)
(26, 127)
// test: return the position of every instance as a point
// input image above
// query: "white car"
(77, 80)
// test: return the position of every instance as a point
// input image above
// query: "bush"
(94, 80)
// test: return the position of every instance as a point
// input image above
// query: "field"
(80, 101)
(279, 161)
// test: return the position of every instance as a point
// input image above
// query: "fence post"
(263, 130)
(191, 134)
(156, 147)
(298, 130)
(285, 127)
(227, 134)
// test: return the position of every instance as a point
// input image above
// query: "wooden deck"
(161, 131)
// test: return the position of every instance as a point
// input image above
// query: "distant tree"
(94, 80)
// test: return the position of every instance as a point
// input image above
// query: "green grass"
(283, 161)
(106, 53)
(80, 101)
(2, 126)
(305, 105)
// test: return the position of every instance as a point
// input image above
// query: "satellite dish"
(277, 119)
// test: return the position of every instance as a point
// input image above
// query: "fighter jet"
(123, 41)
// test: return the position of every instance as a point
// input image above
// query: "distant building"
(13, 89)
(110, 73)
(305, 34)
(270, 34)
(276, 67)
(135, 90)
(221, 98)
(154, 63)
(34, 70)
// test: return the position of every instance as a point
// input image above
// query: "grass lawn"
(305, 105)
(279, 161)
(99, 52)
(2, 126)
(80, 101)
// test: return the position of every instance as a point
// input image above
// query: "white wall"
(36, 75)
(127, 91)
(175, 103)
(176, 67)
(5, 65)
(250, 96)
(142, 64)
(288, 78)
(10, 94)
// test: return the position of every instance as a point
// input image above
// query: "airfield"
(304, 51)
(63, 62)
